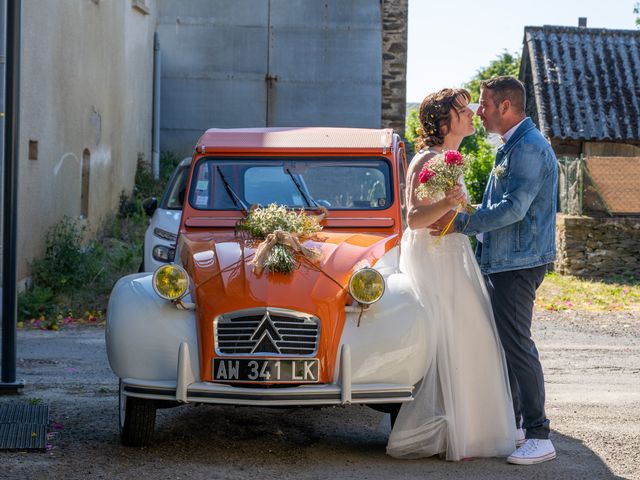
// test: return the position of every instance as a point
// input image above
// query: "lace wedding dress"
(462, 408)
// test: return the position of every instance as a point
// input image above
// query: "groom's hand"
(439, 225)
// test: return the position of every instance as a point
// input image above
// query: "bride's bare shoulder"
(419, 159)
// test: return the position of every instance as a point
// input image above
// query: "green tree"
(479, 154)
(505, 64)
(636, 10)
(412, 124)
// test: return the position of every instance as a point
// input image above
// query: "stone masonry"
(394, 63)
(597, 247)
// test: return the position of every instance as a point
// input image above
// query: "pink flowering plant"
(442, 173)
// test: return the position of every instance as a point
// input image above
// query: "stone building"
(583, 91)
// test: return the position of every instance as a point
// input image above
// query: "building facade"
(85, 111)
(583, 90)
(86, 87)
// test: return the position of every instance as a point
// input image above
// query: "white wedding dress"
(463, 406)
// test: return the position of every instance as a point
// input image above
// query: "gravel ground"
(592, 366)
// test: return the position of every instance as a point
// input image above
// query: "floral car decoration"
(336, 324)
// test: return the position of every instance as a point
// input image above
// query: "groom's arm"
(527, 172)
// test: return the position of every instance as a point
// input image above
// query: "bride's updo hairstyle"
(435, 115)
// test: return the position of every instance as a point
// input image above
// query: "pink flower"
(426, 174)
(453, 157)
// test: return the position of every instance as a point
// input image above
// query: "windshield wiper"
(237, 201)
(307, 198)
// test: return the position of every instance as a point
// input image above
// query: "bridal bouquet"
(442, 173)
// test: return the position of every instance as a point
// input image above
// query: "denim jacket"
(518, 212)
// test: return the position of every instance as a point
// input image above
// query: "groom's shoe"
(533, 450)
(519, 437)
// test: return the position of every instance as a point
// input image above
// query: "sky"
(449, 41)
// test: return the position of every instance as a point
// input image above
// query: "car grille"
(271, 331)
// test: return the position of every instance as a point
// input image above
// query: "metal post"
(155, 165)
(10, 215)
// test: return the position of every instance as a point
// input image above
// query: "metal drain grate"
(23, 427)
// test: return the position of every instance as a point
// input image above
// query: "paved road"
(593, 374)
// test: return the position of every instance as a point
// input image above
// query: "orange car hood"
(219, 264)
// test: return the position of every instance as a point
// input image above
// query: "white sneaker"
(519, 437)
(532, 451)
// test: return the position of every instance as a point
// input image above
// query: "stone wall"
(394, 63)
(597, 247)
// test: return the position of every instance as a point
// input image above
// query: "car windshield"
(174, 195)
(336, 183)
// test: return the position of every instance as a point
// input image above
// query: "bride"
(462, 407)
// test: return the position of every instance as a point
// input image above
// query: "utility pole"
(8, 383)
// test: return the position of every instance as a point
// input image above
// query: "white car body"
(165, 221)
(153, 347)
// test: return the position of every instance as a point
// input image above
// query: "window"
(402, 181)
(84, 197)
(336, 183)
(175, 194)
(33, 150)
(265, 185)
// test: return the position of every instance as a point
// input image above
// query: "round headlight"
(366, 286)
(170, 282)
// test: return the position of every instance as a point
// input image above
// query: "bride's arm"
(422, 213)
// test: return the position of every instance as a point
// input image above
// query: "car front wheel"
(137, 420)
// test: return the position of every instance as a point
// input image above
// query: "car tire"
(391, 408)
(137, 420)
(393, 413)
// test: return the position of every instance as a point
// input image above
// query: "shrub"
(35, 303)
(77, 277)
(63, 265)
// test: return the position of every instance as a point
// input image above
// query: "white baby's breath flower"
(498, 171)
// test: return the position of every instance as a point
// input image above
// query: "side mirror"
(149, 205)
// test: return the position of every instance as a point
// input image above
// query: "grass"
(563, 292)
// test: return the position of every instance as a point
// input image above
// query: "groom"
(515, 226)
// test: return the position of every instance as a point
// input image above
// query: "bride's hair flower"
(453, 157)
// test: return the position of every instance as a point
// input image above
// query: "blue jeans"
(512, 295)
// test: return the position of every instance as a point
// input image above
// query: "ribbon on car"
(287, 239)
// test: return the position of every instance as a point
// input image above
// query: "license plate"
(266, 370)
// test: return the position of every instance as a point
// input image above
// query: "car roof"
(296, 139)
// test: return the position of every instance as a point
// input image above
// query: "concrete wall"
(86, 92)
